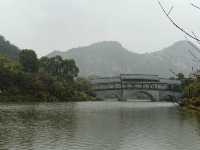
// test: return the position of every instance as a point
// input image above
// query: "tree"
(56, 66)
(29, 61)
(8, 49)
(44, 64)
(9, 64)
(180, 76)
(70, 70)
(85, 86)
(9, 70)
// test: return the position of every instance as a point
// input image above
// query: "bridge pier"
(122, 99)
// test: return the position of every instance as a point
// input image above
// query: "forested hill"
(8, 49)
(111, 58)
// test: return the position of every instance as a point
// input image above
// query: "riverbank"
(194, 108)
(192, 103)
(30, 99)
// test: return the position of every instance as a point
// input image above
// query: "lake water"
(98, 126)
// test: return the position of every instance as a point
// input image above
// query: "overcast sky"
(47, 25)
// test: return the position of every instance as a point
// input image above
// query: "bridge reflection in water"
(128, 86)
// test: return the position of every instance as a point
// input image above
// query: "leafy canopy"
(29, 61)
(56, 66)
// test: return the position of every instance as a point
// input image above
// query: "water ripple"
(98, 126)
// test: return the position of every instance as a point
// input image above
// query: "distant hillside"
(105, 58)
(8, 49)
(111, 58)
(179, 56)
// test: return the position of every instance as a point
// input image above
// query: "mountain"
(180, 56)
(8, 49)
(111, 58)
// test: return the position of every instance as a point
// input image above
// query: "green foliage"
(8, 64)
(55, 81)
(84, 86)
(193, 89)
(24, 78)
(8, 49)
(56, 66)
(181, 76)
(29, 61)
(192, 92)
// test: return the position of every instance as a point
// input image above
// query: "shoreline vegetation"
(41, 80)
(192, 104)
(25, 78)
(191, 89)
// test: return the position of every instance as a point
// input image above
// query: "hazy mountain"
(111, 58)
(179, 56)
(8, 49)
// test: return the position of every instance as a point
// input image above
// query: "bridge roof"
(170, 81)
(152, 78)
(140, 77)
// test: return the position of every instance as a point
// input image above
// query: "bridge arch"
(133, 93)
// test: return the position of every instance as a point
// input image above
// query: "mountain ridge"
(110, 58)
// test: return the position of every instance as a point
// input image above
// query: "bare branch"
(170, 10)
(195, 35)
(176, 25)
(191, 44)
(195, 6)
